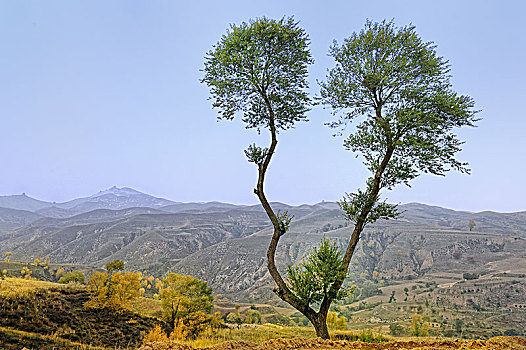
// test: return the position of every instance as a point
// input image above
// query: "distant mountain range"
(225, 244)
(113, 198)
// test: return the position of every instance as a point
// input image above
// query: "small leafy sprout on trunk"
(352, 204)
(284, 220)
(256, 154)
(312, 279)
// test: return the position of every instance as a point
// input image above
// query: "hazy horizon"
(100, 93)
(255, 202)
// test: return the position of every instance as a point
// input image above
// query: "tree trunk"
(318, 319)
(172, 320)
(174, 314)
(362, 220)
(320, 325)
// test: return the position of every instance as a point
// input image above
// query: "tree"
(369, 289)
(396, 329)
(46, 263)
(191, 326)
(392, 298)
(26, 273)
(182, 295)
(399, 88)
(115, 265)
(73, 276)
(97, 283)
(252, 316)
(7, 256)
(259, 69)
(341, 323)
(124, 289)
(458, 325)
(59, 272)
(156, 334)
(234, 317)
(117, 295)
(418, 327)
(332, 318)
(472, 225)
(470, 276)
(111, 267)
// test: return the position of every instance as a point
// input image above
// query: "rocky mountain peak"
(120, 192)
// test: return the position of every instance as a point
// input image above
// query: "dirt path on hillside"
(496, 343)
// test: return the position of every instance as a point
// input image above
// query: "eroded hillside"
(225, 245)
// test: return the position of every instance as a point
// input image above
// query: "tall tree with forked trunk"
(388, 77)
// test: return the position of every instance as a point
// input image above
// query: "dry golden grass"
(262, 333)
(13, 286)
(496, 343)
(61, 343)
(146, 306)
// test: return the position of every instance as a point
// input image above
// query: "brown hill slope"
(143, 241)
(226, 245)
(57, 318)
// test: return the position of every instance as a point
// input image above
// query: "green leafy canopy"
(260, 68)
(401, 87)
(115, 265)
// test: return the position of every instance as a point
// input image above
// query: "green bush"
(73, 276)
(396, 329)
(234, 317)
(470, 276)
(278, 319)
(366, 335)
(252, 316)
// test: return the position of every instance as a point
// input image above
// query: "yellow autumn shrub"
(155, 334)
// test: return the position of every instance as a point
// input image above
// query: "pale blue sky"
(101, 93)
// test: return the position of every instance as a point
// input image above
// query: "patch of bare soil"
(496, 343)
